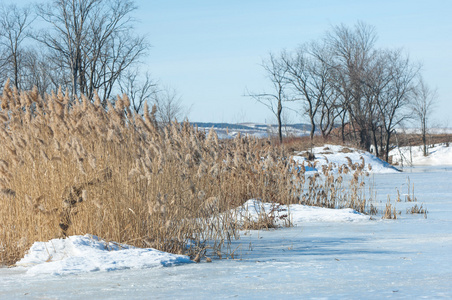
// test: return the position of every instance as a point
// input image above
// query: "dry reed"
(72, 167)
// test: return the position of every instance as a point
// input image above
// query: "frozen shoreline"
(407, 258)
(328, 253)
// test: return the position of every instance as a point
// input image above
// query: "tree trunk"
(312, 128)
(16, 72)
(74, 83)
(365, 140)
(424, 138)
(375, 143)
(279, 121)
(388, 137)
(343, 128)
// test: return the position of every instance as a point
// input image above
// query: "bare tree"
(96, 40)
(139, 91)
(114, 48)
(277, 72)
(400, 90)
(422, 105)
(14, 22)
(39, 71)
(69, 20)
(3, 67)
(342, 89)
(344, 76)
(376, 78)
(328, 113)
(169, 105)
(375, 85)
(323, 87)
(305, 76)
(353, 49)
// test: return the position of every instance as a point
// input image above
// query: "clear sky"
(211, 51)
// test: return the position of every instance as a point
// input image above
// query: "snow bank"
(88, 253)
(303, 213)
(437, 155)
(338, 156)
(297, 213)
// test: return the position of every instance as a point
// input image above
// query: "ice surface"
(84, 254)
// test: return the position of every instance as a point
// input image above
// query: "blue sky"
(211, 51)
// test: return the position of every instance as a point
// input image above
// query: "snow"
(338, 156)
(88, 253)
(437, 155)
(84, 254)
(297, 214)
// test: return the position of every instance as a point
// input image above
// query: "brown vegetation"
(74, 167)
(413, 139)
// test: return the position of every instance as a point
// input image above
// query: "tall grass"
(76, 167)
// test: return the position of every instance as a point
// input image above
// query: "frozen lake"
(410, 257)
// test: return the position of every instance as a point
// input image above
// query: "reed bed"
(347, 188)
(70, 167)
(75, 167)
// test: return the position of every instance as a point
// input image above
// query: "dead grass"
(263, 221)
(417, 210)
(72, 168)
(346, 189)
(75, 167)
(390, 211)
(416, 139)
(276, 217)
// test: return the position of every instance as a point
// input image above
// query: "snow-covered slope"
(437, 155)
(338, 156)
(84, 254)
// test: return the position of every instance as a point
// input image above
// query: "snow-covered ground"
(84, 254)
(338, 156)
(88, 253)
(297, 214)
(414, 156)
(326, 254)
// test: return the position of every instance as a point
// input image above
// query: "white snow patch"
(437, 155)
(338, 156)
(303, 213)
(297, 213)
(84, 254)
